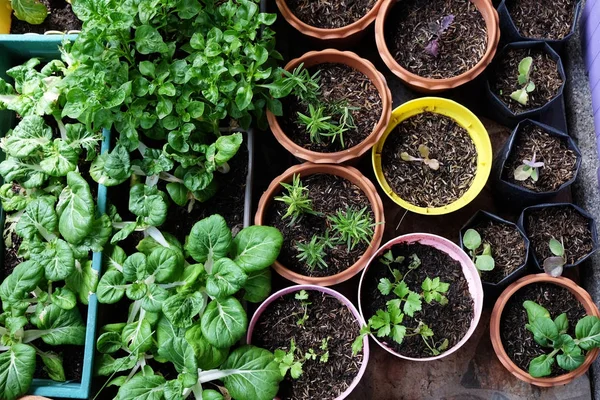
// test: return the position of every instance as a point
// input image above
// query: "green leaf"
(398, 333)
(83, 280)
(385, 286)
(31, 11)
(543, 330)
(535, 311)
(472, 239)
(76, 208)
(412, 304)
(165, 264)
(224, 322)
(562, 323)
(24, 278)
(148, 40)
(225, 279)
(64, 298)
(541, 366)
(178, 193)
(53, 366)
(137, 336)
(59, 158)
(226, 147)
(106, 365)
(207, 355)
(210, 394)
(556, 247)
(256, 247)
(17, 366)
(57, 259)
(39, 219)
(209, 238)
(63, 326)
(30, 136)
(258, 286)
(520, 96)
(572, 360)
(485, 263)
(143, 387)
(587, 332)
(109, 342)
(183, 307)
(525, 67)
(178, 351)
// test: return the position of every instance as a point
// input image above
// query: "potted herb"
(434, 157)
(498, 248)
(338, 22)
(36, 16)
(335, 106)
(331, 218)
(562, 235)
(544, 330)
(316, 353)
(440, 46)
(532, 20)
(527, 80)
(536, 163)
(421, 296)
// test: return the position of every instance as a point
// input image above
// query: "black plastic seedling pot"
(492, 290)
(510, 32)
(517, 196)
(591, 225)
(552, 113)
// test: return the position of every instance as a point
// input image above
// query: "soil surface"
(451, 321)
(559, 161)
(330, 14)
(562, 223)
(544, 74)
(339, 83)
(517, 340)
(328, 193)
(60, 18)
(534, 19)
(413, 24)
(329, 320)
(11, 258)
(508, 248)
(448, 143)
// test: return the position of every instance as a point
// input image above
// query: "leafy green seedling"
(352, 226)
(524, 79)
(567, 352)
(529, 169)
(296, 199)
(434, 290)
(324, 357)
(424, 153)
(33, 12)
(313, 253)
(317, 124)
(480, 252)
(427, 335)
(554, 264)
(304, 303)
(288, 361)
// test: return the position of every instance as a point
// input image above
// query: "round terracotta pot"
(342, 299)
(582, 296)
(350, 59)
(428, 85)
(352, 175)
(339, 35)
(468, 269)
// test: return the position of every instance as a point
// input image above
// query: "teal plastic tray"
(30, 45)
(13, 53)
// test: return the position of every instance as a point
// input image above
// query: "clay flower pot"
(428, 85)
(581, 295)
(342, 299)
(340, 36)
(350, 59)
(352, 175)
(468, 268)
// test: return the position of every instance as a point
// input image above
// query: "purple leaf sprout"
(433, 47)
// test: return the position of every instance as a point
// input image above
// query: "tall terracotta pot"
(581, 295)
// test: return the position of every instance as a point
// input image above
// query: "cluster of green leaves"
(405, 303)
(521, 96)
(530, 169)
(568, 352)
(432, 163)
(554, 264)
(296, 199)
(290, 361)
(480, 251)
(188, 314)
(33, 12)
(302, 296)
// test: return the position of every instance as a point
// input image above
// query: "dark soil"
(60, 18)
(11, 258)
(544, 74)
(228, 201)
(508, 249)
(448, 143)
(562, 223)
(517, 340)
(559, 161)
(72, 361)
(329, 193)
(536, 19)
(330, 14)
(327, 319)
(339, 83)
(413, 24)
(451, 321)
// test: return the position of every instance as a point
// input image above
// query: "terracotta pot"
(352, 175)
(582, 296)
(293, 289)
(468, 268)
(428, 85)
(350, 59)
(339, 35)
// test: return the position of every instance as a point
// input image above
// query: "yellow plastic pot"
(5, 17)
(465, 119)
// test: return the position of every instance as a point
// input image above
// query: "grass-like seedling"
(521, 96)
(296, 199)
(567, 352)
(352, 226)
(424, 153)
(437, 31)
(530, 169)
(480, 252)
(554, 264)
(313, 253)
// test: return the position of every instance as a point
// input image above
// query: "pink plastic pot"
(469, 270)
(331, 292)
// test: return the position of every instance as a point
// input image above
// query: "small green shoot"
(529, 169)
(288, 361)
(313, 253)
(303, 297)
(352, 226)
(521, 96)
(424, 153)
(296, 199)
(479, 251)
(554, 264)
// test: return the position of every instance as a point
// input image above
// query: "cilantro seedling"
(288, 361)
(313, 253)
(438, 30)
(529, 169)
(524, 79)
(567, 352)
(304, 303)
(554, 264)
(296, 199)
(424, 153)
(352, 226)
(480, 252)
(324, 357)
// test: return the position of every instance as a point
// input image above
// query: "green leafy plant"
(524, 79)
(303, 297)
(480, 251)
(33, 12)
(296, 199)
(313, 253)
(424, 153)
(388, 322)
(289, 361)
(554, 264)
(567, 352)
(530, 169)
(352, 226)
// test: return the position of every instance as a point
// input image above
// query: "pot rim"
(582, 296)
